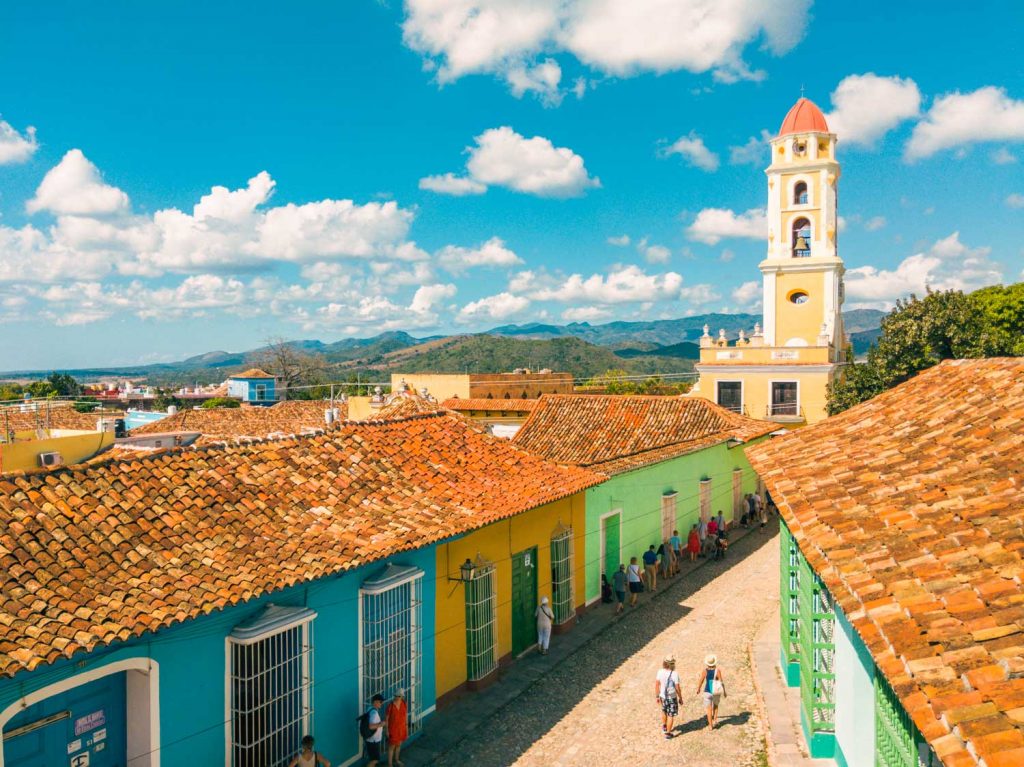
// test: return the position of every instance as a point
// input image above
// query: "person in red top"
(397, 719)
(693, 544)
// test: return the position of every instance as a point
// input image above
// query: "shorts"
(621, 596)
(373, 750)
(636, 587)
(670, 706)
(711, 699)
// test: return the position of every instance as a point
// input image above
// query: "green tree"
(221, 402)
(64, 385)
(921, 332)
(166, 399)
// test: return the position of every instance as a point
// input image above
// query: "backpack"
(364, 726)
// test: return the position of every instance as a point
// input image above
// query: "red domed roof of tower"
(804, 117)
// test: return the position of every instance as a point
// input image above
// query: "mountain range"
(656, 346)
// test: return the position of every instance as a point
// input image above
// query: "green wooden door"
(524, 600)
(610, 537)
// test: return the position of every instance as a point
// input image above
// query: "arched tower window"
(801, 238)
(800, 193)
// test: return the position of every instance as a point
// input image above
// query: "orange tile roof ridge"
(392, 486)
(911, 512)
(614, 433)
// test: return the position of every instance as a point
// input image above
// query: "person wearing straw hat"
(544, 620)
(397, 719)
(711, 686)
(666, 689)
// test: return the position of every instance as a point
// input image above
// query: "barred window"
(391, 634)
(562, 604)
(481, 632)
(271, 684)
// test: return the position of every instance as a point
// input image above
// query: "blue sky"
(177, 178)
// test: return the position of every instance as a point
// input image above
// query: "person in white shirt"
(666, 689)
(373, 743)
(544, 619)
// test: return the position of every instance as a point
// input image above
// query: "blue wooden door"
(80, 727)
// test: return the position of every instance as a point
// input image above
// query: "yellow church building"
(781, 372)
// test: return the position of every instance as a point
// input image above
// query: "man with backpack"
(371, 728)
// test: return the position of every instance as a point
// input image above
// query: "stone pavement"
(786, 744)
(590, 701)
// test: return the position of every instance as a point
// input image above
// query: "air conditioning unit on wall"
(50, 459)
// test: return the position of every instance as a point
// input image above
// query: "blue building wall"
(192, 662)
(245, 389)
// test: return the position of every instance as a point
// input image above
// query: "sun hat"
(399, 693)
(711, 661)
(543, 600)
(670, 660)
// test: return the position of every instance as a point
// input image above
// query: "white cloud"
(1003, 156)
(624, 284)
(541, 79)
(692, 149)
(507, 37)
(491, 253)
(700, 294)
(74, 186)
(875, 223)
(502, 157)
(585, 314)
(656, 254)
(959, 119)
(1015, 200)
(449, 183)
(748, 295)
(727, 256)
(754, 152)
(428, 296)
(947, 264)
(496, 307)
(713, 225)
(866, 107)
(579, 87)
(620, 242)
(16, 147)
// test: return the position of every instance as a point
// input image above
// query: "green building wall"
(638, 496)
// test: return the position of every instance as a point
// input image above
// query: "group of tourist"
(379, 725)
(710, 686)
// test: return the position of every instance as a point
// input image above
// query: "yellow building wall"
(497, 543)
(799, 320)
(74, 447)
(440, 386)
(813, 390)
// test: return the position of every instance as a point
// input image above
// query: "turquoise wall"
(638, 493)
(192, 660)
(855, 697)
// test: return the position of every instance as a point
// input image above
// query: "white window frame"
(392, 578)
(485, 595)
(743, 392)
(565, 566)
(771, 384)
(261, 392)
(301, 620)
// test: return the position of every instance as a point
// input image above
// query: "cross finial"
(801, 90)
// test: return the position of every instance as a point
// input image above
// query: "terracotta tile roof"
(911, 509)
(252, 373)
(93, 554)
(220, 424)
(405, 405)
(617, 433)
(481, 403)
(59, 415)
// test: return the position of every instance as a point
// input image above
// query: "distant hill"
(578, 347)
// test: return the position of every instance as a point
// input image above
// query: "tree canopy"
(921, 332)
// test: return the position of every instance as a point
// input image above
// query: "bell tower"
(781, 371)
(802, 273)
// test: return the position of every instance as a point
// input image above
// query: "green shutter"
(817, 652)
(897, 741)
(789, 617)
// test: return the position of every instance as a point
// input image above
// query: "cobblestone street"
(597, 707)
